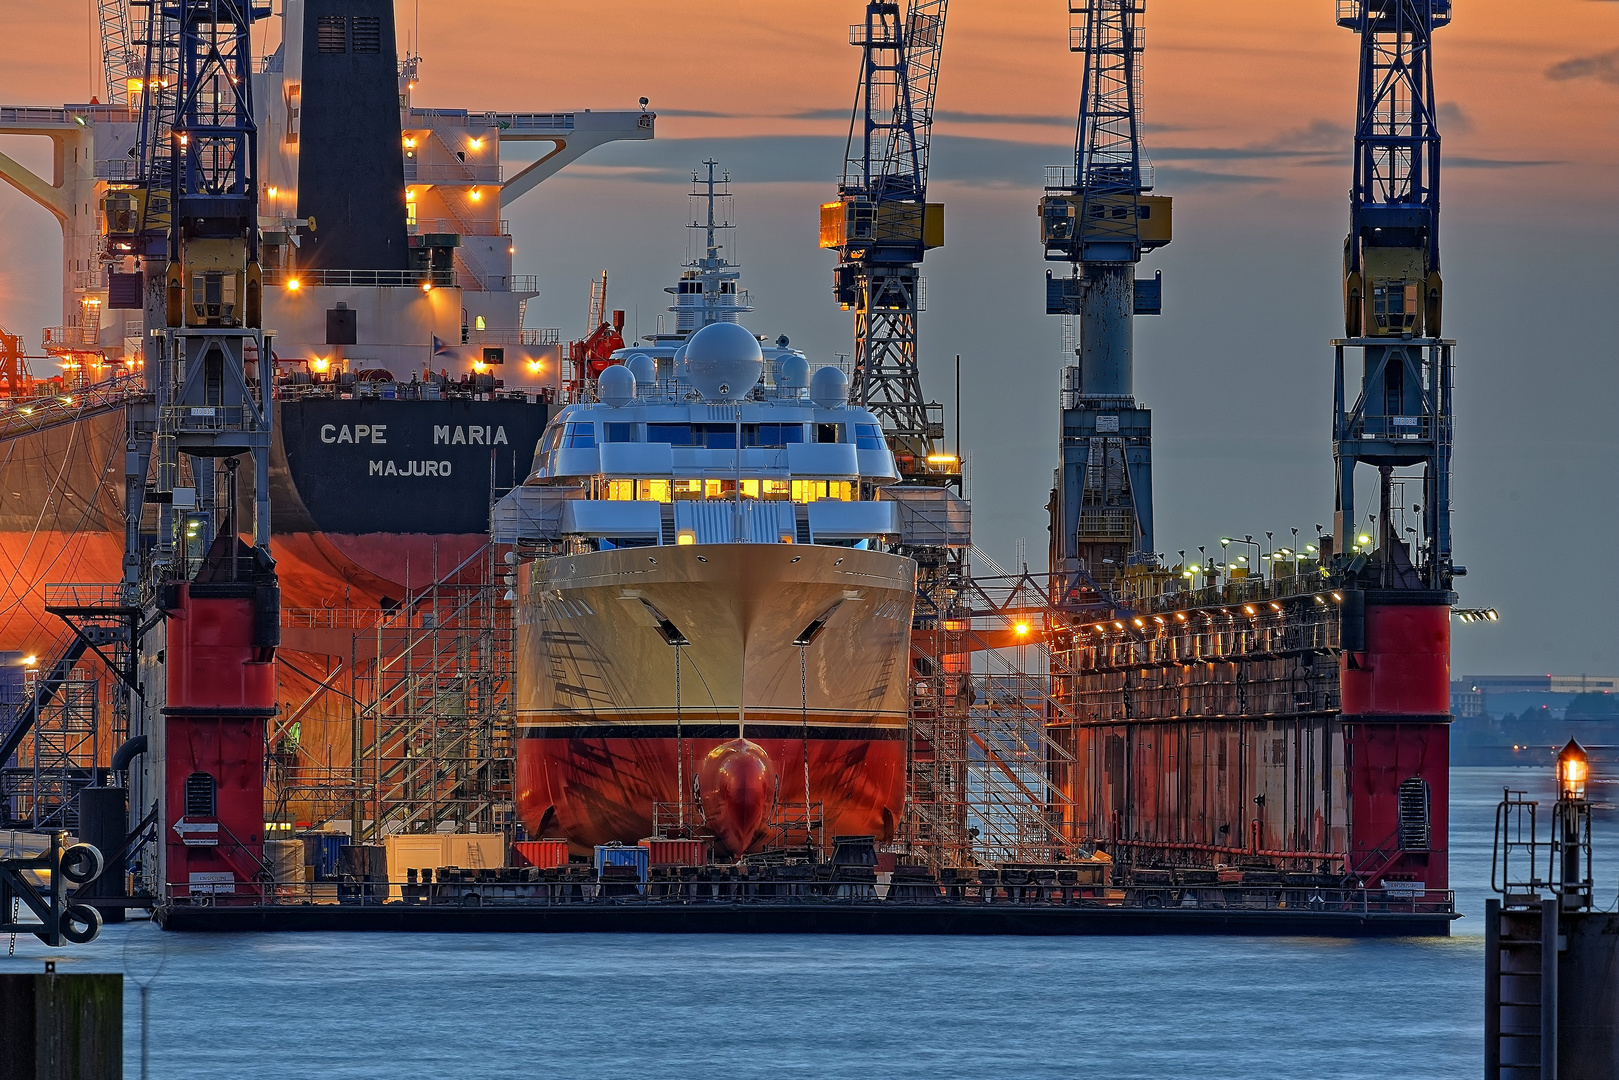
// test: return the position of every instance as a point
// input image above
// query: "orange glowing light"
(320, 363)
(1022, 629)
(476, 194)
(293, 284)
(476, 144)
(1573, 768)
(274, 191)
(427, 286)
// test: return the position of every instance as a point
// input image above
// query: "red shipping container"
(545, 854)
(676, 852)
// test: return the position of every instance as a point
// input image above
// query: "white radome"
(724, 362)
(616, 386)
(829, 388)
(793, 372)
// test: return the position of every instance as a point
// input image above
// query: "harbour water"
(353, 1006)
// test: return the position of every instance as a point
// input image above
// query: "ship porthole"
(702, 558)
(797, 557)
(651, 560)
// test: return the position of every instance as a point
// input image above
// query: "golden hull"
(613, 719)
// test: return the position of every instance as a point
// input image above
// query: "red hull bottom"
(602, 790)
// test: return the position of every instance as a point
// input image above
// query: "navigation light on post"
(1573, 767)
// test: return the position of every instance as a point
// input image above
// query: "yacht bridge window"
(723, 436)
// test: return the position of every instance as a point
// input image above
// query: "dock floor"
(845, 917)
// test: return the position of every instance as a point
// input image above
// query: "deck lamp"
(1573, 768)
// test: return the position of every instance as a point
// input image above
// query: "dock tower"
(1098, 217)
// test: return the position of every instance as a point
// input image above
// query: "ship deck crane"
(1098, 217)
(1402, 416)
(882, 224)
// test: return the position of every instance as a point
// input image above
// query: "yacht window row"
(581, 435)
(764, 490)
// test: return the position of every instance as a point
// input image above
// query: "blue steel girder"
(214, 114)
(1394, 200)
(890, 130)
(886, 170)
(1110, 165)
(1362, 420)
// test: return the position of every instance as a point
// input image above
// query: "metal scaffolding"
(980, 787)
(428, 689)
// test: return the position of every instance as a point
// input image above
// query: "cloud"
(1454, 119)
(1454, 162)
(1315, 136)
(1305, 144)
(950, 116)
(1180, 179)
(1603, 67)
(706, 113)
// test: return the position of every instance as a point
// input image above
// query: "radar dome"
(792, 372)
(677, 364)
(723, 362)
(829, 387)
(643, 367)
(616, 386)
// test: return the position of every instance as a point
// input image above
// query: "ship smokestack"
(351, 173)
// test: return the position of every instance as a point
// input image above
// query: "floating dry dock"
(823, 900)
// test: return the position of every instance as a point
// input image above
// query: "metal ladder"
(1520, 991)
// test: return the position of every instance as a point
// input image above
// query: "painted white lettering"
(376, 469)
(379, 433)
(444, 468)
(460, 437)
(475, 435)
(390, 470)
(432, 468)
(326, 433)
(441, 433)
(500, 437)
(344, 435)
(361, 431)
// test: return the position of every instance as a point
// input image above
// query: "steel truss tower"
(882, 224)
(1392, 296)
(1098, 217)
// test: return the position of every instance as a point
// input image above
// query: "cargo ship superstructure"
(409, 388)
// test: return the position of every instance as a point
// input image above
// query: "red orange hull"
(601, 790)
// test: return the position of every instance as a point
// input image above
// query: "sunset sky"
(1249, 110)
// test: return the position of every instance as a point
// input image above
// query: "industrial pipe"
(127, 752)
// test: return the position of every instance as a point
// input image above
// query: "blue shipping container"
(326, 855)
(614, 855)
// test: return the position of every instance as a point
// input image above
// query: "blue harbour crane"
(207, 362)
(1098, 216)
(1401, 418)
(882, 224)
